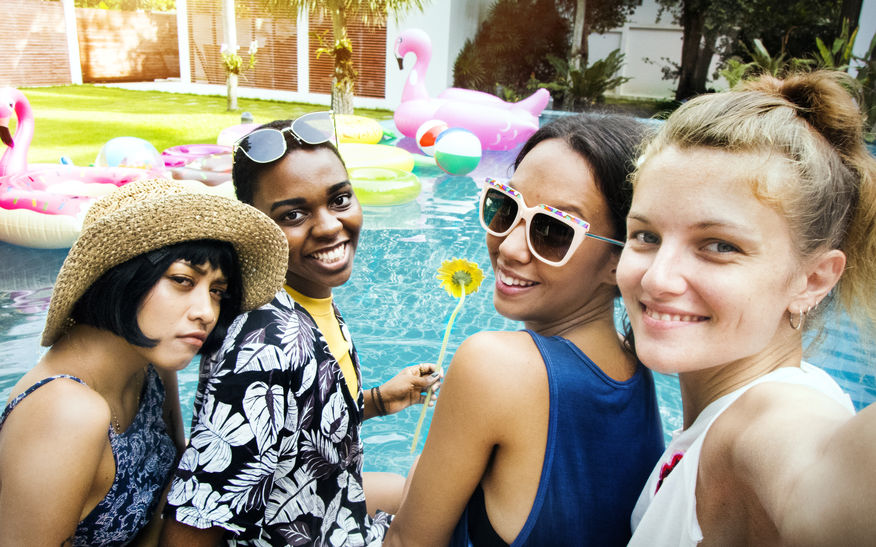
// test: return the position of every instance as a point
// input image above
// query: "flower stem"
(437, 368)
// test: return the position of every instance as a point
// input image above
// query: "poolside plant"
(839, 54)
(459, 278)
(588, 86)
(234, 67)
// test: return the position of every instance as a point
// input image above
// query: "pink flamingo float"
(42, 206)
(498, 124)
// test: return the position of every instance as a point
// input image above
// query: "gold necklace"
(115, 423)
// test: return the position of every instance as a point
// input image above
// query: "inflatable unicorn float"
(43, 205)
(498, 124)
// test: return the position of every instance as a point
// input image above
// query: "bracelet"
(378, 403)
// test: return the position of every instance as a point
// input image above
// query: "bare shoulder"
(501, 357)
(793, 421)
(63, 410)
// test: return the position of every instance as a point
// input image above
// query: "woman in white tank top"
(753, 211)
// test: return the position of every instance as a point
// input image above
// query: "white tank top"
(668, 515)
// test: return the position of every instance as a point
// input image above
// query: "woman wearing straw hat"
(90, 435)
(275, 454)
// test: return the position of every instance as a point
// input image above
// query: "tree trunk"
(704, 60)
(231, 90)
(579, 52)
(229, 28)
(693, 18)
(342, 98)
(344, 79)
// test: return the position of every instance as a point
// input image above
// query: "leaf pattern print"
(308, 376)
(275, 455)
(287, 454)
(205, 507)
(291, 418)
(298, 336)
(218, 434)
(264, 407)
(258, 357)
(335, 417)
(185, 475)
(316, 445)
(295, 534)
(292, 497)
(327, 378)
(250, 487)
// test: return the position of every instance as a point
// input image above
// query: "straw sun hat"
(146, 215)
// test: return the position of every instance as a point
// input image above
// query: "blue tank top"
(603, 439)
(144, 455)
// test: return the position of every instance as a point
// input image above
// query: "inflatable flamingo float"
(498, 124)
(42, 206)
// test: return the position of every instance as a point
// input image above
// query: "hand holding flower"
(458, 277)
(407, 388)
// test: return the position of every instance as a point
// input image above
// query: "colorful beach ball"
(129, 152)
(457, 151)
(427, 135)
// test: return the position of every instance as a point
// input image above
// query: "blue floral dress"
(144, 455)
(275, 456)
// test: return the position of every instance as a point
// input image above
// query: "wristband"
(381, 406)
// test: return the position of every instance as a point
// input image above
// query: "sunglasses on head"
(551, 234)
(267, 144)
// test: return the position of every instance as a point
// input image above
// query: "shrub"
(511, 47)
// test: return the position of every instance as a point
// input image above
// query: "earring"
(801, 317)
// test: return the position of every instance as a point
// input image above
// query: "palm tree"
(341, 49)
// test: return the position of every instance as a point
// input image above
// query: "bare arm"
(468, 424)
(402, 390)
(51, 449)
(806, 461)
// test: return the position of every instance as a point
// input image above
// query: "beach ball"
(457, 151)
(129, 152)
(427, 135)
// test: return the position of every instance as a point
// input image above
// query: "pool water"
(393, 305)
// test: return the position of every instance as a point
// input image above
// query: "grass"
(75, 121)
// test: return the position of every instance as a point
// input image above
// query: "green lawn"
(75, 121)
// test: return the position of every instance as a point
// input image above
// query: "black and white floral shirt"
(275, 455)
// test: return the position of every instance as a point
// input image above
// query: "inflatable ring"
(44, 208)
(358, 129)
(182, 155)
(384, 185)
(356, 155)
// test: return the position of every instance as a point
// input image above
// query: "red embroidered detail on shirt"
(667, 469)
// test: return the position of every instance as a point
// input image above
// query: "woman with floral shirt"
(275, 455)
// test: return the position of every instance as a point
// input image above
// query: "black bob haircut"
(246, 173)
(111, 303)
(610, 144)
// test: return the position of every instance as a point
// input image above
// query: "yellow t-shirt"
(322, 312)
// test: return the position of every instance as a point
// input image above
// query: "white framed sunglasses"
(268, 144)
(551, 234)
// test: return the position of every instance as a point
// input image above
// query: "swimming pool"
(393, 305)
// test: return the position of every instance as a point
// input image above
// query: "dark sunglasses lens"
(264, 145)
(314, 128)
(499, 211)
(550, 238)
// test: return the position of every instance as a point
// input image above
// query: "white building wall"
(645, 41)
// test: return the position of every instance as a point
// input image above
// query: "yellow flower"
(457, 275)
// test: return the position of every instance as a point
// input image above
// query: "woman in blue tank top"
(89, 437)
(544, 436)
